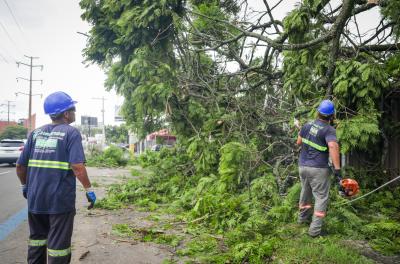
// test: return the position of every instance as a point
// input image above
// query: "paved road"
(11, 200)
(13, 215)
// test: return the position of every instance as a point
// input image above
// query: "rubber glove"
(91, 197)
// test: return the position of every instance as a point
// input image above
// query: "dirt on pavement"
(93, 241)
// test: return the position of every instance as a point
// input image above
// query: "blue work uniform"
(314, 149)
(51, 183)
(314, 173)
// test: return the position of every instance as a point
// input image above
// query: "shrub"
(111, 157)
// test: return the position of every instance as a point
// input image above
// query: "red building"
(4, 124)
(22, 122)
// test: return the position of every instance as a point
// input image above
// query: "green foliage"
(391, 11)
(14, 132)
(246, 221)
(146, 235)
(296, 24)
(165, 239)
(122, 230)
(171, 60)
(392, 65)
(135, 172)
(344, 221)
(306, 250)
(286, 211)
(234, 165)
(206, 26)
(256, 251)
(117, 134)
(384, 236)
(359, 132)
(133, 40)
(111, 157)
(148, 158)
(203, 153)
(302, 67)
(359, 84)
(201, 245)
(387, 203)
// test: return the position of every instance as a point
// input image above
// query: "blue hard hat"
(326, 107)
(57, 103)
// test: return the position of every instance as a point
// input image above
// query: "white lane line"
(1, 173)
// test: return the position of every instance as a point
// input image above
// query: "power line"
(15, 19)
(8, 109)
(10, 38)
(6, 54)
(31, 66)
(3, 58)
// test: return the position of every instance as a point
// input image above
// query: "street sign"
(89, 121)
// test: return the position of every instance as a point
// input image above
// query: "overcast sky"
(47, 29)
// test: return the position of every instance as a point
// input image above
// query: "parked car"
(10, 149)
(158, 147)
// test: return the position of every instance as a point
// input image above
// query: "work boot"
(303, 222)
(321, 234)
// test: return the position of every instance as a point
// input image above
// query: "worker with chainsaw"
(51, 161)
(318, 142)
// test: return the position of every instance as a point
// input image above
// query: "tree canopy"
(241, 71)
(14, 132)
(229, 77)
(117, 134)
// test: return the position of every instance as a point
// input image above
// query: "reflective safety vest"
(311, 139)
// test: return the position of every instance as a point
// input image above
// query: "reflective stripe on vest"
(314, 145)
(49, 164)
(59, 252)
(37, 243)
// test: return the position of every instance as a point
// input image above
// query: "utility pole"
(102, 111)
(8, 109)
(30, 80)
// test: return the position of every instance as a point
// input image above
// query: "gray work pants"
(314, 183)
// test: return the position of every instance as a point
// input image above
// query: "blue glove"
(24, 189)
(91, 197)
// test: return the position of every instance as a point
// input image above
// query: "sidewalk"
(92, 240)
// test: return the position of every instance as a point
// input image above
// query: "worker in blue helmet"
(51, 161)
(318, 142)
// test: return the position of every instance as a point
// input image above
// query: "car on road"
(10, 149)
(158, 147)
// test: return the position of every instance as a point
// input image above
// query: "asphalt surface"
(13, 218)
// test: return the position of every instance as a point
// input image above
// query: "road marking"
(1, 173)
(12, 223)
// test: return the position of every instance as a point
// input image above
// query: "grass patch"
(320, 250)
(95, 184)
(135, 172)
(169, 261)
(122, 230)
(147, 205)
(154, 218)
(165, 239)
(147, 235)
(384, 236)
(200, 246)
